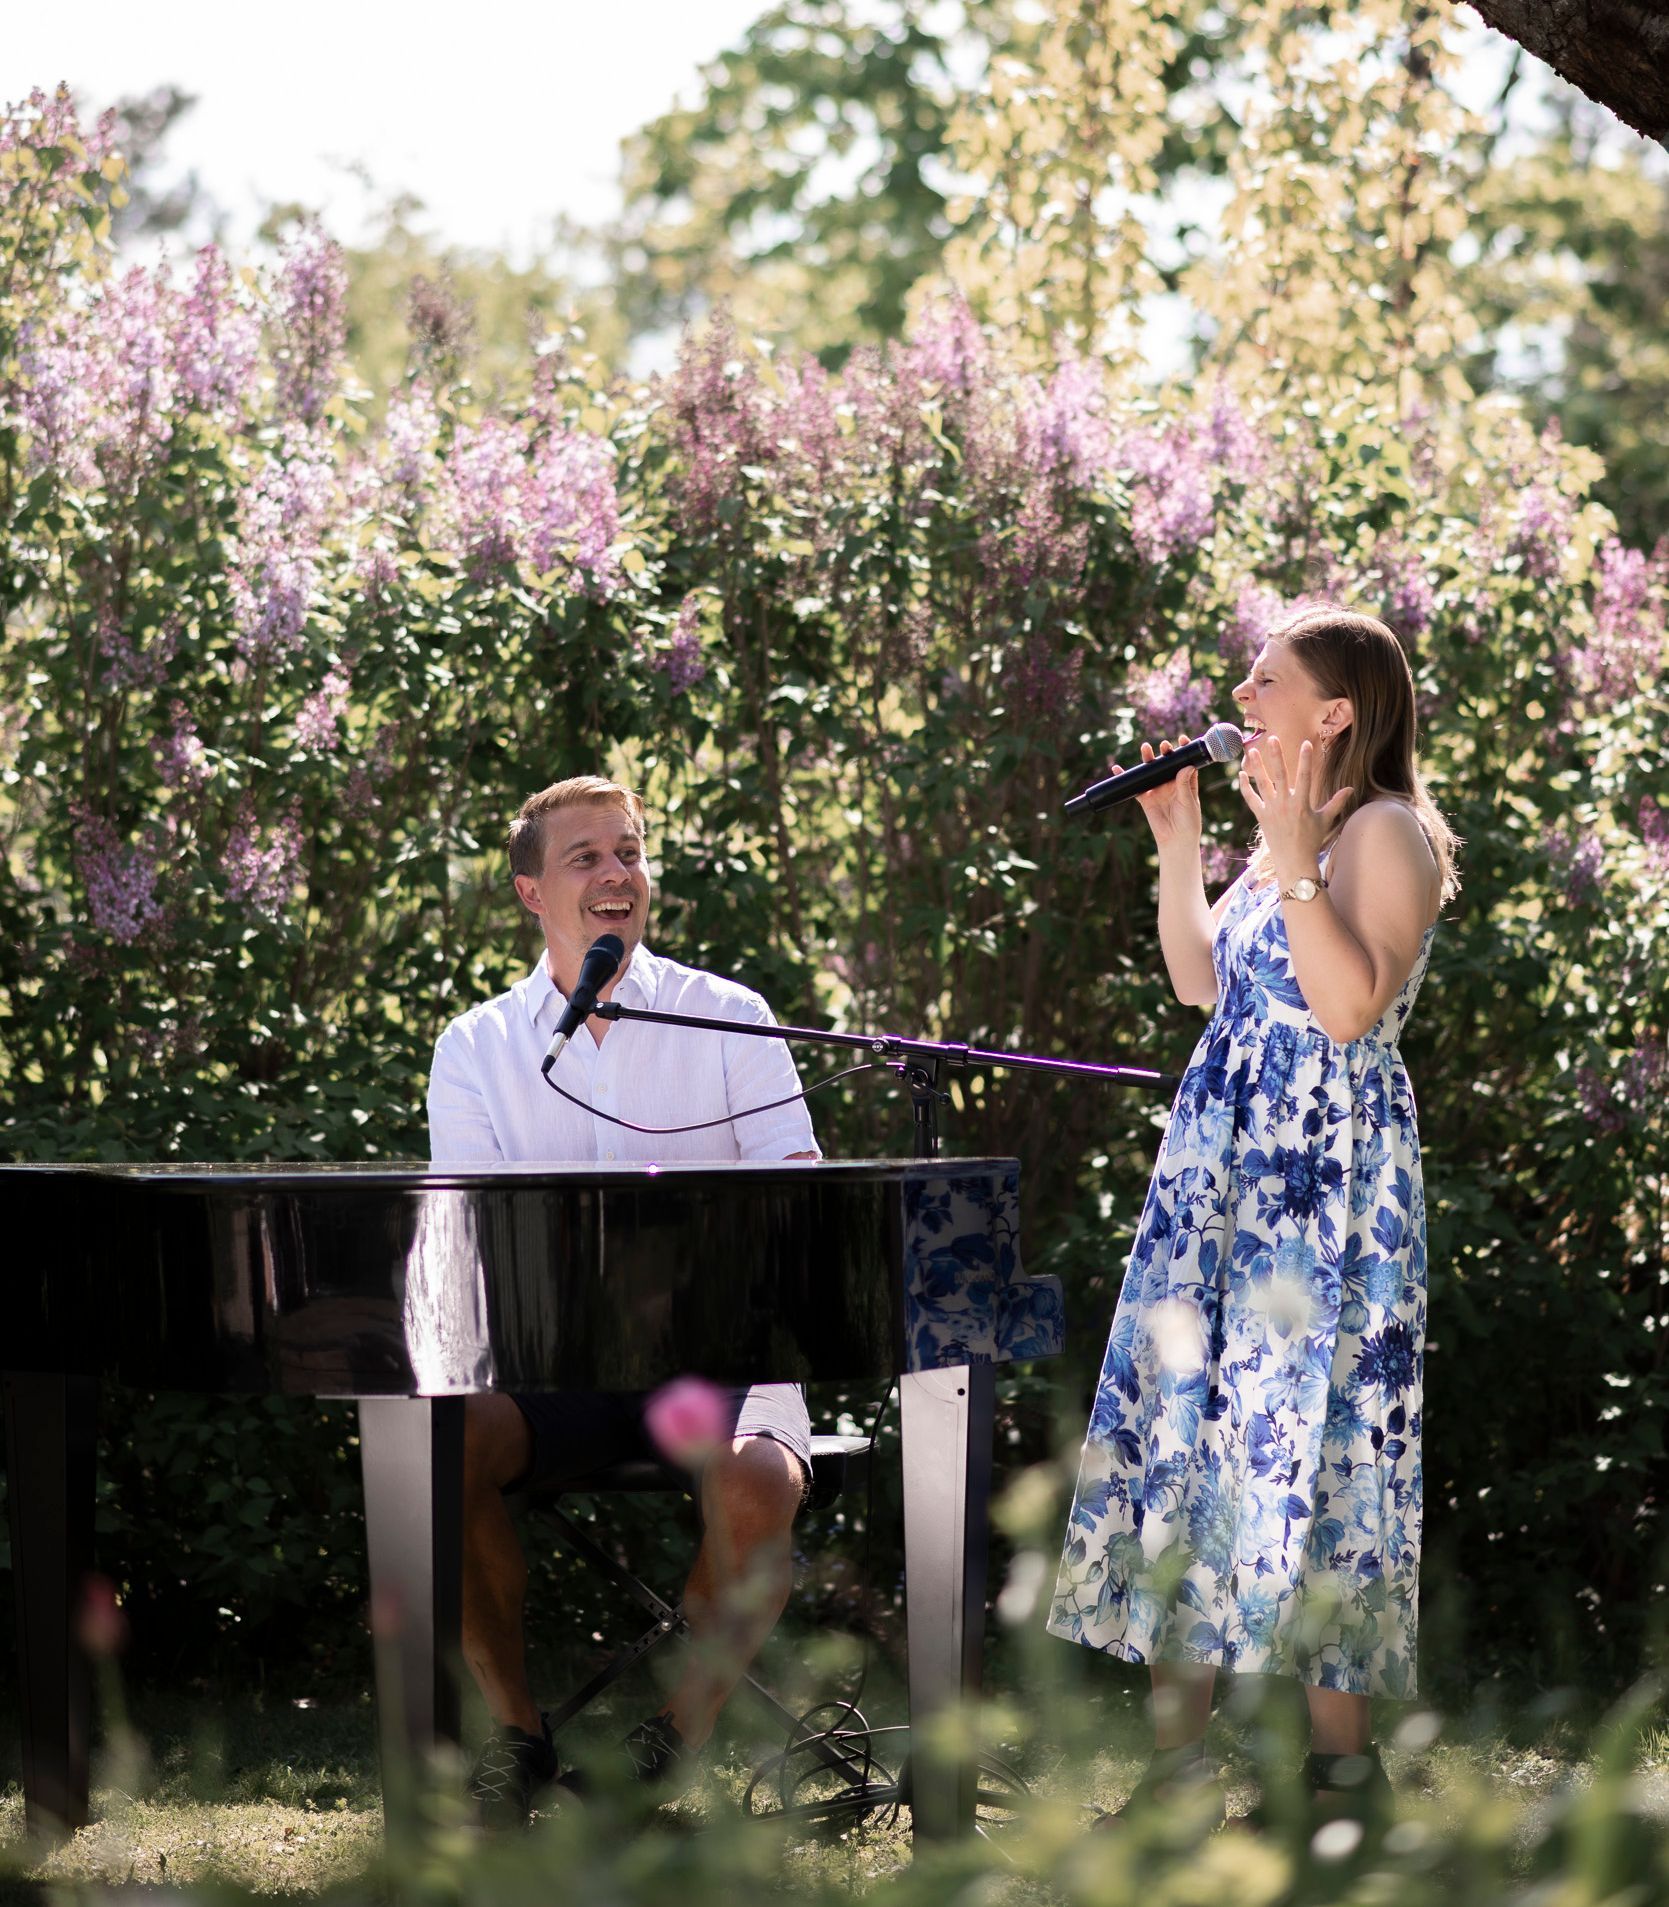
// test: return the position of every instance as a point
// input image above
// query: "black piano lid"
(395, 1278)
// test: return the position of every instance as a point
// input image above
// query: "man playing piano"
(580, 866)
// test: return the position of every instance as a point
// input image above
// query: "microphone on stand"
(1221, 742)
(601, 963)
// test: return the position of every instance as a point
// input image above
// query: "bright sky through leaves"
(499, 116)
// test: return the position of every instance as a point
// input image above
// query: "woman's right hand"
(1173, 808)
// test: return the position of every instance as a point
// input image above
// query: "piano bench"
(838, 1464)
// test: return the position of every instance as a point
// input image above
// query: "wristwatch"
(1304, 890)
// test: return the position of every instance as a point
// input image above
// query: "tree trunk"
(1616, 51)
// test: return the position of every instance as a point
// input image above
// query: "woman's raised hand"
(1173, 808)
(1293, 827)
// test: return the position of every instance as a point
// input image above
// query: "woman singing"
(1249, 1497)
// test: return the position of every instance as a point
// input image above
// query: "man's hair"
(527, 831)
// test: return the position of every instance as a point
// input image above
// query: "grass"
(279, 1795)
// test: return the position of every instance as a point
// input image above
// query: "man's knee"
(498, 1445)
(756, 1486)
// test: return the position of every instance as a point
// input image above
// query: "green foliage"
(1571, 289)
(799, 181)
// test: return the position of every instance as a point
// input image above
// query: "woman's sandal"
(1335, 1788)
(1351, 1788)
(1174, 1777)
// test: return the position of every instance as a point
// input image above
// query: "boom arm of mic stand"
(926, 1056)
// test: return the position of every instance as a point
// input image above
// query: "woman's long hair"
(1345, 653)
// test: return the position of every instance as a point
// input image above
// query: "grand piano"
(410, 1287)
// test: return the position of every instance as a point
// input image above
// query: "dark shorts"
(578, 1433)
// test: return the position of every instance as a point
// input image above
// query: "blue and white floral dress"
(1250, 1488)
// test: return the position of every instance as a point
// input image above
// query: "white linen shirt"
(488, 1103)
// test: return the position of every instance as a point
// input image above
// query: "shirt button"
(609, 1155)
(603, 1088)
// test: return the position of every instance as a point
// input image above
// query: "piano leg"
(946, 1421)
(412, 1462)
(50, 1423)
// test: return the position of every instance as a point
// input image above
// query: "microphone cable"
(730, 1118)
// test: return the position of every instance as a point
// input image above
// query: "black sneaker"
(660, 1756)
(509, 1771)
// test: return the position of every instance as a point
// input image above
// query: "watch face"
(1304, 890)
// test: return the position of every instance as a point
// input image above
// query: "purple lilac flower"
(97, 397)
(274, 571)
(1167, 699)
(1654, 831)
(56, 403)
(1645, 1072)
(182, 760)
(310, 305)
(483, 494)
(714, 399)
(260, 863)
(1230, 439)
(409, 434)
(373, 768)
(130, 666)
(1039, 547)
(1219, 862)
(1628, 629)
(1065, 426)
(1598, 1100)
(1578, 858)
(272, 589)
(1171, 507)
(216, 343)
(316, 725)
(50, 119)
(377, 571)
(1045, 682)
(572, 508)
(945, 346)
(682, 659)
(120, 881)
(441, 323)
(1405, 588)
(1542, 535)
(1257, 610)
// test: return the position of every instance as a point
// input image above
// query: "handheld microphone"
(1221, 742)
(601, 963)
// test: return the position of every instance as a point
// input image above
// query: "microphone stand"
(920, 1064)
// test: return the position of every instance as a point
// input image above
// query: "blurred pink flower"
(100, 1625)
(687, 1419)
